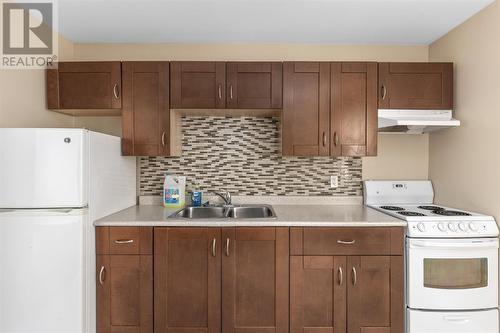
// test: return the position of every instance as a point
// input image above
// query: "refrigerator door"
(42, 283)
(483, 321)
(43, 168)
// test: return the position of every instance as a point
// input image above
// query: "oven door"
(452, 274)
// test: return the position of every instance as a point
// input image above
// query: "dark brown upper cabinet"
(85, 85)
(220, 85)
(416, 86)
(146, 113)
(254, 85)
(198, 85)
(353, 118)
(329, 109)
(306, 109)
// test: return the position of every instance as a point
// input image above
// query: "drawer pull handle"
(354, 276)
(219, 90)
(346, 242)
(124, 241)
(214, 247)
(102, 275)
(341, 276)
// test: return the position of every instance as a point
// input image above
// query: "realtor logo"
(28, 34)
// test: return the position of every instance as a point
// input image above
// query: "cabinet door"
(306, 108)
(255, 272)
(354, 109)
(318, 294)
(416, 86)
(187, 280)
(375, 294)
(124, 293)
(84, 85)
(198, 85)
(146, 113)
(254, 85)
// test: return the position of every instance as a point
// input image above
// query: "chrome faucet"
(226, 196)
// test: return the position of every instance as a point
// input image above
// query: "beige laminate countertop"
(287, 216)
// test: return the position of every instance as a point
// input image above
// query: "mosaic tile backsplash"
(242, 155)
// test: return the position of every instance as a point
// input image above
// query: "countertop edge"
(250, 224)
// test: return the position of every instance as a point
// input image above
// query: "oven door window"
(445, 273)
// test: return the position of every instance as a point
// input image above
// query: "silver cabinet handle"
(116, 92)
(324, 139)
(354, 276)
(163, 139)
(231, 91)
(220, 91)
(346, 242)
(227, 247)
(341, 276)
(335, 139)
(124, 241)
(383, 91)
(214, 247)
(102, 275)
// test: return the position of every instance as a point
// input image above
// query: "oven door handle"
(476, 244)
(457, 319)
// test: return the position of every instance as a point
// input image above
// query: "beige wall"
(399, 156)
(465, 162)
(22, 96)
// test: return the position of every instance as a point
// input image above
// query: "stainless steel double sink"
(227, 212)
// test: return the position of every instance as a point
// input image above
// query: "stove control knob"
(452, 227)
(473, 226)
(441, 227)
(462, 226)
(421, 227)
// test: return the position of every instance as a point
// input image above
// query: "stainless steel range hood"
(414, 121)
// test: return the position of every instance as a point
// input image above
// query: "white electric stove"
(451, 259)
(412, 201)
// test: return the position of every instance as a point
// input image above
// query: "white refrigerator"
(54, 183)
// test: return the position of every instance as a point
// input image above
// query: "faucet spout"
(226, 196)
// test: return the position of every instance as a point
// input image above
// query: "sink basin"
(235, 212)
(200, 213)
(251, 212)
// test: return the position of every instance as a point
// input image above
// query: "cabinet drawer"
(124, 240)
(346, 241)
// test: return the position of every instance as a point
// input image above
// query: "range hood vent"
(414, 121)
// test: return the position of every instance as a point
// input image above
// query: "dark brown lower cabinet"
(255, 280)
(251, 266)
(375, 294)
(187, 280)
(243, 280)
(353, 294)
(124, 293)
(317, 294)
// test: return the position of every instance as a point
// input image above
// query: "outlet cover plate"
(334, 181)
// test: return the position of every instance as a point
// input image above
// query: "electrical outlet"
(334, 181)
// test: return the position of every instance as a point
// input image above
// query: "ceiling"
(263, 21)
